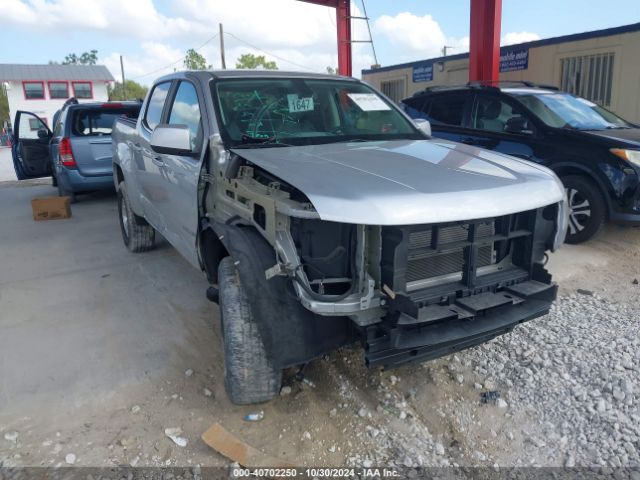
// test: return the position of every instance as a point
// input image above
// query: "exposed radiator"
(423, 263)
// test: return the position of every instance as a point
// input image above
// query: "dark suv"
(593, 151)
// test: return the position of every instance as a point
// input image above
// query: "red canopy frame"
(484, 50)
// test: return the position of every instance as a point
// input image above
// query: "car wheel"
(137, 234)
(587, 212)
(249, 375)
(62, 192)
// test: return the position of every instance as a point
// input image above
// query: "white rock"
(500, 403)
(174, 433)
(362, 412)
(188, 372)
(286, 390)
(367, 463)
(393, 379)
(333, 412)
(403, 415)
(135, 461)
(439, 448)
(70, 458)
(207, 392)
(11, 437)
(135, 409)
(306, 436)
(460, 378)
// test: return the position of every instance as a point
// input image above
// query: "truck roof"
(246, 73)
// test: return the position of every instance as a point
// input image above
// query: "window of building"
(588, 76)
(82, 90)
(58, 90)
(33, 90)
(153, 114)
(394, 89)
(35, 124)
(447, 109)
(186, 111)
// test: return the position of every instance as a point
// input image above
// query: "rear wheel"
(249, 375)
(587, 212)
(137, 234)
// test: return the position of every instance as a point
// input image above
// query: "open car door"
(30, 150)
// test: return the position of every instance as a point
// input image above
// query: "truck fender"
(291, 334)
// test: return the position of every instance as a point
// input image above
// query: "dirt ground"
(95, 343)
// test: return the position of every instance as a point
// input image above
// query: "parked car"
(77, 154)
(595, 153)
(322, 215)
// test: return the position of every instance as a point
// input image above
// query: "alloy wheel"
(579, 211)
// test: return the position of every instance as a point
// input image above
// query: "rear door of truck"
(89, 128)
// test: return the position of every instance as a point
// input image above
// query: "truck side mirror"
(171, 139)
(43, 133)
(423, 125)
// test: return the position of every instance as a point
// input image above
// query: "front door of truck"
(30, 150)
(181, 173)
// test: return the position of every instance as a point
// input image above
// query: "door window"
(153, 114)
(185, 110)
(447, 109)
(495, 115)
(29, 126)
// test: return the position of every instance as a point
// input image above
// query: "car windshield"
(296, 111)
(562, 110)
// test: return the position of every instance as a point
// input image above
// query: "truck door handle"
(158, 161)
(468, 141)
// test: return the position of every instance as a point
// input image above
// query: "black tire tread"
(141, 236)
(249, 375)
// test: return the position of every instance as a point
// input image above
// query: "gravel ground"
(567, 385)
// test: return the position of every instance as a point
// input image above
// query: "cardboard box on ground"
(51, 208)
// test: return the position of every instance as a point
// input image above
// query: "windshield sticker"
(586, 102)
(299, 104)
(368, 102)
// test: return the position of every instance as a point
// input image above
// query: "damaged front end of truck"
(413, 270)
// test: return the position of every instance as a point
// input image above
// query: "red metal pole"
(343, 23)
(484, 51)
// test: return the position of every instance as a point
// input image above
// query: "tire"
(137, 235)
(587, 209)
(65, 193)
(249, 376)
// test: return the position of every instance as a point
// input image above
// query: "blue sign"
(513, 60)
(423, 73)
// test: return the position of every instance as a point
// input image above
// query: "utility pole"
(444, 50)
(224, 64)
(124, 89)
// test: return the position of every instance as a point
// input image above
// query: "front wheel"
(249, 375)
(587, 212)
(137, 234)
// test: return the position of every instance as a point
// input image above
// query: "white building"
(43, 89)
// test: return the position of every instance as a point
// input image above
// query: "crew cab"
(323, 215)
(77, 153)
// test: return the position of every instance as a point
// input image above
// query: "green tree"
(332, 71)
(4, 106)
(132, 91)
(85, 58)
(195, 61)
(251, 61)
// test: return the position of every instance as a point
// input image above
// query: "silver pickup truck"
(322, 215)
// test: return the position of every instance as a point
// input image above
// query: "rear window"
(96, 122)
(446, 109)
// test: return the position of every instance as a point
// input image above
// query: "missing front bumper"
(470, 323)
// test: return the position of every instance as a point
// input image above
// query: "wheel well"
(566, 170)
(117, 171)
(213, 251)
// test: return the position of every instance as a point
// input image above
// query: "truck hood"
(404, 182)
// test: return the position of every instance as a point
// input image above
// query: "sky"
(153, 35)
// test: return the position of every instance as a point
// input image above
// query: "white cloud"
(419, 37)
(512, 38)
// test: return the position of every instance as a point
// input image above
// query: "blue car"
(77, 154)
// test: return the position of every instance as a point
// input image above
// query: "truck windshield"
(305, 112)
(562, 110)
